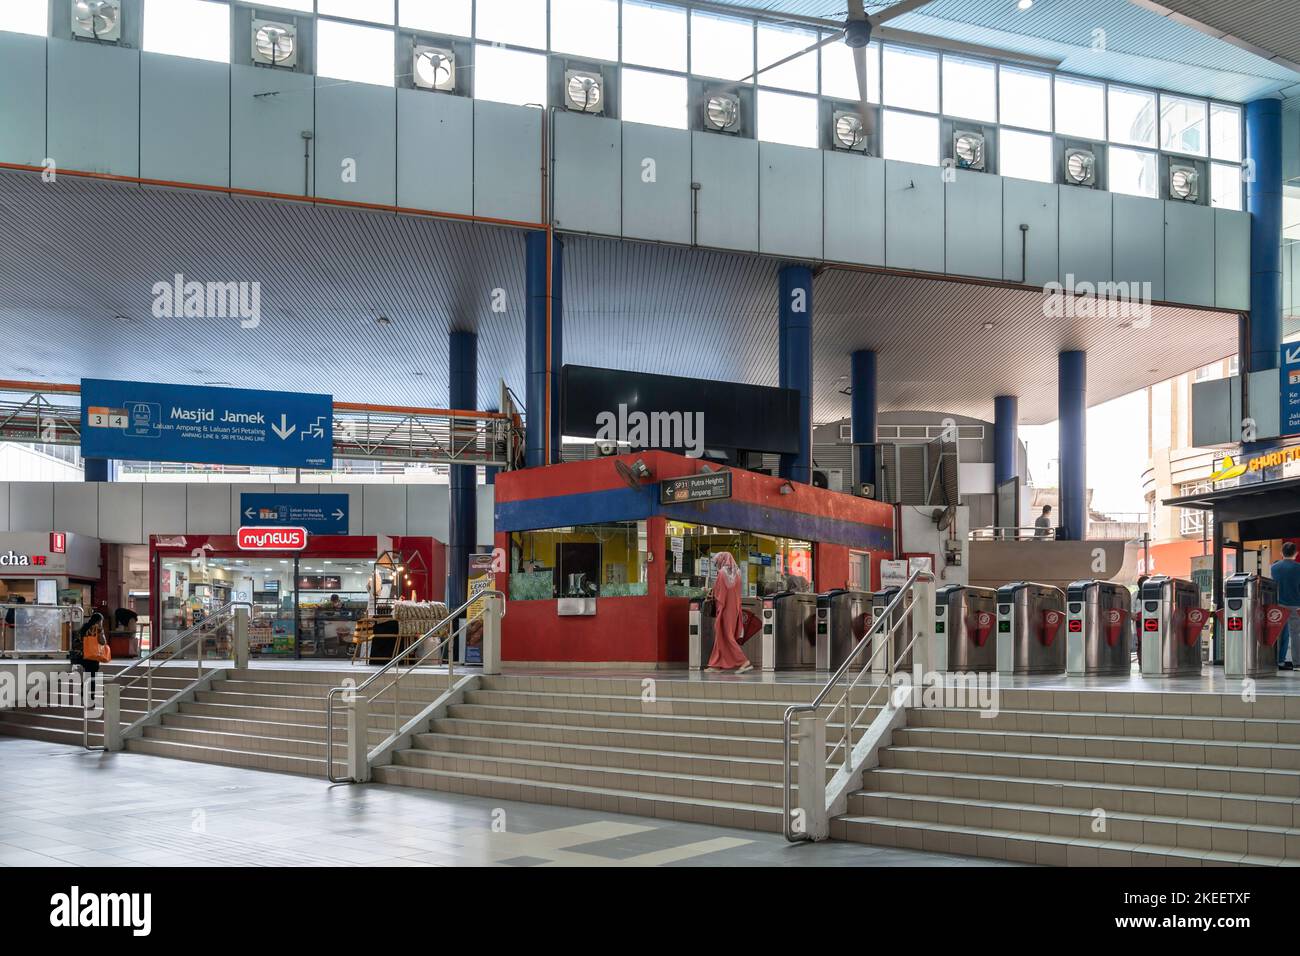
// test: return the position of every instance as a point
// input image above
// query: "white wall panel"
(435, 152)
(269, 112)
(588, 173)
(4, 506)
(385, 509)
(656, 183)
(1138, 231)
(184, 120)
(1232, 259)
(854, 207)
(727, 170)
(207, 509)
(789, 200)
(426, 509)
(22, 99)
(94, 107)
(486, 501)
(76, 507)
(164, 509)
(356, 131)
(1029, 256)
(1189, 253)
(913, 216)
(121, 512)
(1085, 235)
(31, 506)
(973, 225)
(507, 161)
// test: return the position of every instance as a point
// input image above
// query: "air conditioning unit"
(97, 20)
(606, 449)
(1184, 182)
(584, 91)
(847, 131)
(433, 68)
(275, 43)
(722, 112)
(968, 150)
(1081, 167)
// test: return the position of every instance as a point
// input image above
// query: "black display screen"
(1004, 627)
(736, 417)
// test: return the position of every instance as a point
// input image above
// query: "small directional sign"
(319, 514)
(147, 421)
(1289, 388)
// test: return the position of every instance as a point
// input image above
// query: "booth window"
(654, 34)
(455, 17)
(197, 29)
(596, 560)
(659, 99)
(768, 564)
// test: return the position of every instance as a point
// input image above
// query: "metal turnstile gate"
(1030, 618)
(1171, 622)
(1253, 622)
(700, 643)
(789, 634)
(843, 618)
(1098, 628)
(965, 616)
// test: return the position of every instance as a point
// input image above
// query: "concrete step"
(1167, 749)
(248, 743)
(1151, 773)
(612, 703)
(282, 763)
(1259, 728)
(724, 789)
(666, 806)
(670, 685)
(727, 726)
(266, 728)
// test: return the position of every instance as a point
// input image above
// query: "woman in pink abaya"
(729, 623)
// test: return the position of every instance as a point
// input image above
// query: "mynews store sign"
(146, 421)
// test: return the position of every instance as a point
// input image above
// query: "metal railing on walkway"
(1013, 534)
(885, 626)
(455, 625)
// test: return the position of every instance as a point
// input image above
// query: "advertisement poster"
(480, 579)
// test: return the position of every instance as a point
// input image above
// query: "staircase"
(1182, 780)
(701, 751)
(274, 719)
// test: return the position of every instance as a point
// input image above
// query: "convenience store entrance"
(306, 605)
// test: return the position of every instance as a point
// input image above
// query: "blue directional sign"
(1289, 387)
(146, 421)
(319, 514)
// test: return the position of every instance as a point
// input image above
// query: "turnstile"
(1171, 621)
(900, 649)
(1030, 618)
(843, 618)
(1098, 628)
(1253, 622)
(789, 634)
(700, 644)
(965, 616)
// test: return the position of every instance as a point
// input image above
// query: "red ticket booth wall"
(295, 614)
(574, 518)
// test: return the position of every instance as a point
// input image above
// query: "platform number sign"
(101, 417)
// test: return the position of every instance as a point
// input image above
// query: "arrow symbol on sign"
(338, 513)
(284, 429)
(249, 514)
(1293, 354)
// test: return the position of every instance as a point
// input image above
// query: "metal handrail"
(1012, 533)
(817, 701)
(75, 614)
(179, 644)
(395, 663)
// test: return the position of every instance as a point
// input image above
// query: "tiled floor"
(60, 806)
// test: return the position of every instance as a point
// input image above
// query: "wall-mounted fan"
(275, 44)
(434, 68)
(97, 20)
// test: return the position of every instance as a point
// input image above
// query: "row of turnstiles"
(1089, 628)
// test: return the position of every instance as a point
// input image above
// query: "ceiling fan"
(856, 34)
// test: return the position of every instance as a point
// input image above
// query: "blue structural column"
(1072, 410)
(1006, 441)
(862, 383)
(795, 350)
(1264, 201)
(95, 469)
(462, 530)
(535, 320)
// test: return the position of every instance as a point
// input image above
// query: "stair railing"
(884, 625)
(490, 603)
(174, 648)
